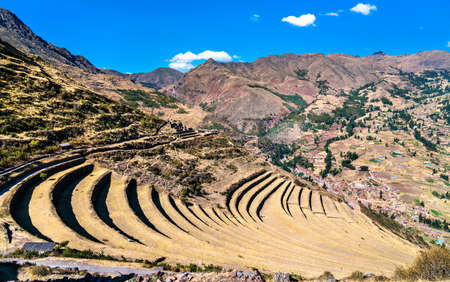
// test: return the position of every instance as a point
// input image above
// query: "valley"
(310, 166)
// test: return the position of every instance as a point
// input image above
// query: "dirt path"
(90, 267)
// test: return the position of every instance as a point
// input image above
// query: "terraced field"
(268, 222)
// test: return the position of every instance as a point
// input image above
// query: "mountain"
(371, 129)
(39, 110)
(157, 79)
(245, 93)
(73, 69)
(15, 32)
(189, 191)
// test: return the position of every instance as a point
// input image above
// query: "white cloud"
(255, 18)
(364, 9)
(302, 21)
(183, 61)
(448, 44)
(181, 66)
(236, 57)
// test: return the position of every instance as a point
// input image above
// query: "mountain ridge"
(15, 32)
(311, 76)
(157, 79)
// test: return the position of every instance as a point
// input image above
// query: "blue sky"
(139, 36)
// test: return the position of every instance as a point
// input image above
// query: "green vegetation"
(353, 107)
(182, 111)
(301, 161)
(153, 100)
(302, 74)
(357, 276)
(321, 118)
(329, 157)
(40, 270)
(326, 276)
(435, 223)
(348, 158)
(38, 114)
(12, 125)
(430, 265)
(428, 144)
(60, 250)
(435, 212)
(207, 108)
(21, 253)
(386, 101)
(389, 223)
(216, 126)
(323, 86)
(13, 154)
(416, 200)
(185, 268)
(294, 99)
(279, 152)
(43, 176)
(86, 254)
(397, 92)
(441, 196)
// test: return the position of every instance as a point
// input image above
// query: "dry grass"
(433, 264)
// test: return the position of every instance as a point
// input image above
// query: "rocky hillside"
(78, 72)
(71, 68)
(15, 32)
(38, 111)
(269, 89)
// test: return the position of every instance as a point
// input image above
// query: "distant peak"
(5, 11)
(380, 53)
(8, 16)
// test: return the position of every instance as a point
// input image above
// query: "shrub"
(301, 74)
(386, 101)
(327, 276)
(433, 264)
(356, 275)
(182, 111)
(40, 270)
(43, 175)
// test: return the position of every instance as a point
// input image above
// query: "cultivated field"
(267, 221)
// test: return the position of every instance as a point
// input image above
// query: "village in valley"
(378, 183)
(383, 162)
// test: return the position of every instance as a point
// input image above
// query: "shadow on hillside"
(62, 196)
(134, 205)
(98, 199)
